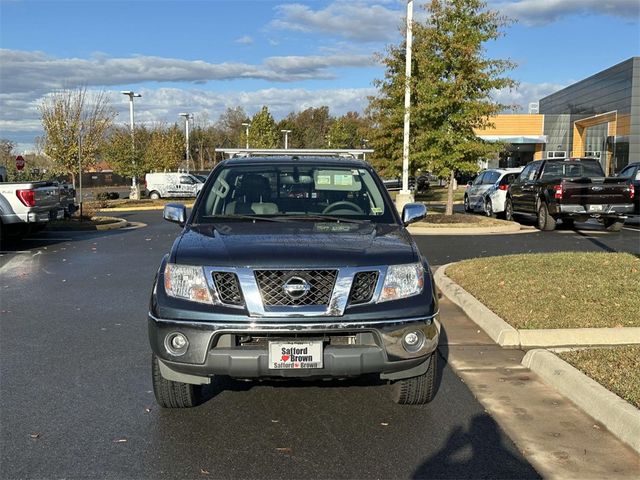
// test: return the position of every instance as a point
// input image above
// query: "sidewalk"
(554, 435)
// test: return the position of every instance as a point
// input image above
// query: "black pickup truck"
(326, 283)
(573, 189)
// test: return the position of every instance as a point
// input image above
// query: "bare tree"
(75, 123)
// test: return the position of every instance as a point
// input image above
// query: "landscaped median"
(461, 224)
(549, 300)
(125, 205)
(565, 299)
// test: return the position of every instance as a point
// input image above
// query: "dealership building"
(596, 117)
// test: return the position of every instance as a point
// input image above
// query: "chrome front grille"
(364, 284)
(228, 288)
(318, 286)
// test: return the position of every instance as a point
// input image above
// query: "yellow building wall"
(514, 124)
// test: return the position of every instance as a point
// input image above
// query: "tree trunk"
(449, 209)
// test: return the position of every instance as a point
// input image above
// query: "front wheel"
(170, 394)
(488, 208)
(467, 205)
(417, 390)
(613, 224)
(545, 221)
(154, 196)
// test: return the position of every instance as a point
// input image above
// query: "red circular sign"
(19, 162)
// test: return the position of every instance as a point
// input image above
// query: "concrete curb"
(507, 336)
(424, 229)
(619, 417)
(138, 209)
(500, 331)
(121, 223)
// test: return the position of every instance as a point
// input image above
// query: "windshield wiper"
(330, 218)
(252, 218)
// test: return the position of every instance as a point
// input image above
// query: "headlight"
(186, 282)
(402, 281)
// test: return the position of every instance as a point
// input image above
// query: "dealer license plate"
(295, 355)
(595, 208)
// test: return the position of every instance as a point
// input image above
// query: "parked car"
(632, 172)
(572, 189)
(172, 185)
(488, 192)
(26, 207)
(392, 184)
(262, 284)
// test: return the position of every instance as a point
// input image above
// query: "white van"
(172, 185)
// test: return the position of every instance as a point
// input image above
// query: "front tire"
(545, 221)
(467, 206)
(488, 208)
(170, 394)
(417, 390)
(154, 196)
(613, 224)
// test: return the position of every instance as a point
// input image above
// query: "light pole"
(134, 183)
(364, 143)
(404, 196)
(286, 138)
(246, 125)
(187, 116)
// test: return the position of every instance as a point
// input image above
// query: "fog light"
(413, 341)
(176, 343)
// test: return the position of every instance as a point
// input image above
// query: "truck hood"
(288, 245)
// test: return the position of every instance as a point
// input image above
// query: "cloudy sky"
(204, 56)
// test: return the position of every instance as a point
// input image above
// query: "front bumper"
(214, 348)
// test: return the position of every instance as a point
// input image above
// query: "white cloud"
(21, 122)
(525, 93)
(38, 72)
(245, 40)
(354, 20)
(542, 12)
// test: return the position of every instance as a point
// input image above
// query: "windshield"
(293, 192)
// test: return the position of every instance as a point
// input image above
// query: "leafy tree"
(263, 132)
(309, 128)
(165, 149)
(75, 123)
(451, 86)
(120, 154)
(348, 131)
(229, 126)
(157, 148)
(6, 151)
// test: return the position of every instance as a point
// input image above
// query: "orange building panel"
(514, 124)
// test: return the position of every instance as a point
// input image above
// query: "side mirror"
(413, 212)
(175, 212)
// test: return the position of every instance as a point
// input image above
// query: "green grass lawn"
(617, 369)
(439, 194)
(556, 290)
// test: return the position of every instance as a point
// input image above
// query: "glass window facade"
(616, 91)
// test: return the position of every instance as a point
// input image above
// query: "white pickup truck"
(27, 206)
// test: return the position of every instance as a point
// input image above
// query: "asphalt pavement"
(76, 395)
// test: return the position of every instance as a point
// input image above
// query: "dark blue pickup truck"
(293, 267)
